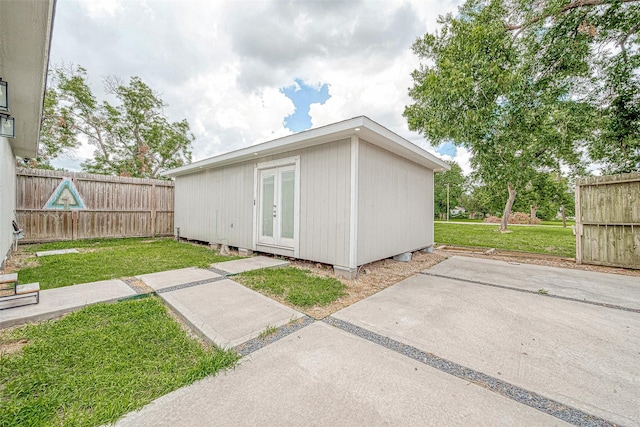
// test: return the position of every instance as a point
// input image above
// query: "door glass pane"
(287, 186)
(268, 184)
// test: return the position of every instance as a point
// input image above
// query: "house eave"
(25, 30)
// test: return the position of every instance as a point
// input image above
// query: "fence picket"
(114, 206)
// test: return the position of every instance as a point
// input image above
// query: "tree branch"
(566, 8)
(623, 40)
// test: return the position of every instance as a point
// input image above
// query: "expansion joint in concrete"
(190, 284)
(528, 291)
(556, 409)
(218, 271)
(257, 343)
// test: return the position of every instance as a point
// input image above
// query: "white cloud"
(221, 65)
(102, 8)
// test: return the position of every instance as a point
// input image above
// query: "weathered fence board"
(114, 206)
(608, 220)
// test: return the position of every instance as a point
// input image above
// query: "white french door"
(277, 210)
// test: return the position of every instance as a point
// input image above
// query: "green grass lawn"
(95, 365)
(539, 239)
(551, 222)
(298, 287)
(113, 258)
(458, 220)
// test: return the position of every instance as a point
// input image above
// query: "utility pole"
(447, 201)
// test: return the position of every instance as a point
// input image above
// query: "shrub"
(492, 219)
(514, 218)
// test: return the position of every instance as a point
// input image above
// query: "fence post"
(578, 226)
(153, 210)
(74, 225)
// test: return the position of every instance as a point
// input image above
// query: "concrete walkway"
(324, 376)
(249, 264)
(434, 350)
(58, 301)
(578, 284)
(221, 310)
(579, 354)
(227, 313)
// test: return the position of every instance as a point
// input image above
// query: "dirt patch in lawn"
(372, 278)
(20, 259)
(9, 348)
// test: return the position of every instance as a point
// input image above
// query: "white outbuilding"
(344, 194)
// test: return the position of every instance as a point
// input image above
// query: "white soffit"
(25, 31)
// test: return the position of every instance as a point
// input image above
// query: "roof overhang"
(362, 127)
(25, 35)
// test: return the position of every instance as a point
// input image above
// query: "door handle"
(274, 211)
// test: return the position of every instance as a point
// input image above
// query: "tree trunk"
(507, 208)
(533, 209)
(564, 216)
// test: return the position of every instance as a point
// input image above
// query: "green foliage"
(268, 331)
(596, 44)
(553, 240)
(529, 87)
(299, 287)
(544, 194)
(112, 259)
(95, 365)
(456, 180)
(132, 137)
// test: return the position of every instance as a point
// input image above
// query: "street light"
(447, 201)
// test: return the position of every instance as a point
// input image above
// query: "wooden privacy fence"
(112, 206)
(608, 220)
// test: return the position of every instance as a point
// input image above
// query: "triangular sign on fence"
(66, 196)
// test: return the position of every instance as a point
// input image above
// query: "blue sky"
(303, 96)
(447, 149)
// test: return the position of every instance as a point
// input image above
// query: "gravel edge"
(257, 343)
(527, 291)
(556, 409)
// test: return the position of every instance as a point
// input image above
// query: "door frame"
(288, 161)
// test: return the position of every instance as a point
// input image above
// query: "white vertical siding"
(395, 204)
(7, 196)
(208, 202)
(324, 201)
(216, 205)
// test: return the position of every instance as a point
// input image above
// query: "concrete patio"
(469, 341)
(435, 350)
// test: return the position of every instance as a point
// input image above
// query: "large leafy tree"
(597, 39)
(517, 83)
(132, 137)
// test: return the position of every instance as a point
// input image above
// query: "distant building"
(458, 210)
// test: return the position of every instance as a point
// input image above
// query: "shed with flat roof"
(344, 194)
